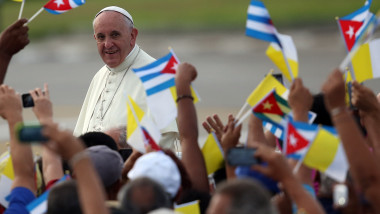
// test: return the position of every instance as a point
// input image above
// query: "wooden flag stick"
(241, 111)
(21, 9)
(35, 15)
(243, 118)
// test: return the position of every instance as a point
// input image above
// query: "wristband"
(78, 157)
(185, 96)
(335, 111)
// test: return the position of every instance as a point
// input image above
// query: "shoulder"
(143, 59)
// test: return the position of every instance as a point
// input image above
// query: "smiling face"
(114, 36)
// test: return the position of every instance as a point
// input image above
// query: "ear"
(94, 37)
(134, 34)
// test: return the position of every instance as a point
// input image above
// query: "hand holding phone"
(30, 133)
(27, 100)
(241, 156)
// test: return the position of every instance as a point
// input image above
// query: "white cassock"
(105, 104)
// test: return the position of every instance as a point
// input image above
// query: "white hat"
(160, 168)
(116, 9)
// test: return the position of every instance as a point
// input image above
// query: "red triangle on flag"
(349, 29)
(294, 141)
(150, 141)
(58, 5)
(268, 105)
(171, 67)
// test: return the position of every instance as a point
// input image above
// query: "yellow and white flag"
(6, 177)
(366, 63)
(212, 154)
(140, 128)
(326, 154)
(275, 53)
(188, 208)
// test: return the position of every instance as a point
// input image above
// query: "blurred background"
(208, 34)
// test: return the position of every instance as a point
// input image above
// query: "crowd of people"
(108, 176)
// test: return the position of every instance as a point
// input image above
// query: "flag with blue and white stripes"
(259, 24)
(39, 205)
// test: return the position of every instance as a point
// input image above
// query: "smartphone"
(27, 100)
(340, 195)
(30, 133)
(241, 156)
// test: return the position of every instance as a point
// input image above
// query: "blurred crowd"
(104, 174)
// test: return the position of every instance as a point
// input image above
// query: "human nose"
(108, 43)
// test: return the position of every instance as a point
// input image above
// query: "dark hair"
(98, 138)
(154, 196)
(63, 198)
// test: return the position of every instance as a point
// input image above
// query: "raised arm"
(363, 167)
(192, 157)
(90, 190)
(12, 40)
(369, 109)
(300, 101)
(22, 156)
(279, 170)
(230, 139)
(43, 109)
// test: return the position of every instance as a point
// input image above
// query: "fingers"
(46, 89)
(37, 93)
(206, 127)
(218, 121)
(5, 89)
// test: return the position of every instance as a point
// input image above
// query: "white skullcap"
(116, 9)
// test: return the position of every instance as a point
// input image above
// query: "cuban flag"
(298, 136)
(159, 83)
(278, 131)
(61, 6)
(259, 24)
(353, 25)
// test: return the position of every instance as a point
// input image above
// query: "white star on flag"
(175, 66)
(59, 2)
(293, 140)
(350, 32)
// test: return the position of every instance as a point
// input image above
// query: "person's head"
(119, 135)
(159, 167)
(243, 196)
(143, 195)
(97, 139)
(108, 164)
(63, 198)
(115, 35)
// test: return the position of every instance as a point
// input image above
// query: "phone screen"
(27, 100)
(241, 156)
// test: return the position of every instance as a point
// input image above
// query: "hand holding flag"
(58, 7)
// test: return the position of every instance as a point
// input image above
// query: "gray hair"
(155, 194)
(247, 196)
